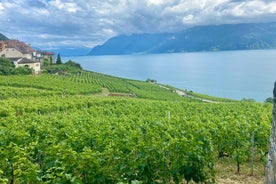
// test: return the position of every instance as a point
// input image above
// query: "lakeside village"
(23, 55)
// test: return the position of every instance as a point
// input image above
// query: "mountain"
(135, 43)
(66, 51)
(199, 38)
(3, 37)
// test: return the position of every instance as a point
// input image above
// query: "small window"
(27, 66)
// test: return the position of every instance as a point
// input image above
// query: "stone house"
(25, 62)
(21, 54)
(15, 49)
(43, 55)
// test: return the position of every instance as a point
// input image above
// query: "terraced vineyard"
(65, 129)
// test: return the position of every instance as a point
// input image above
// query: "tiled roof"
(25, 61)
(14, 59)
(48, 53)
(45, 52)
(20, 46)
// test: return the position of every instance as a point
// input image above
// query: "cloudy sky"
(53, 23)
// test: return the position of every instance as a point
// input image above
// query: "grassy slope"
(99, 85)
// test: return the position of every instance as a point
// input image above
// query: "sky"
(49, 24)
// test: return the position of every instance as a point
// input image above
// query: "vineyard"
(69, 129)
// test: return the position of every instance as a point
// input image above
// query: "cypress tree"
(58, 59)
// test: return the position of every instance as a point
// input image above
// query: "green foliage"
(46, 62)
(22, 71)
(269, 100)
(69, 67)
(52, 130)
(73, 64)
(151, 80)
(23, 86)
(8, 68)
(248, 100)
(207, 97)
(4, 62)
(58, 61)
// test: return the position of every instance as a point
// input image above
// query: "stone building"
(28, 63)
(15, 49)
(22, 54)
(41, 56)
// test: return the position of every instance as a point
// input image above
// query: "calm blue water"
(231, 74)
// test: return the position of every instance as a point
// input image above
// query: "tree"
(269, 100)
(46, 62)
(22, 71)
(4, 62)
(58, 59)
(73, 64)
(6, 67)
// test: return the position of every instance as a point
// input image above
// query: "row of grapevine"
(50, 83)
(15, 92)
(84, 83)
(84, 139)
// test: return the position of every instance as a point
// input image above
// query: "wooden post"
(252, 159)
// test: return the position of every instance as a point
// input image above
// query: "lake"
(230, 74)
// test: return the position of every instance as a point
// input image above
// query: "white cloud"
(108, 32)
(41, 12)
(94, 21)
(9, 5)
(252, 9)
(1, 10)
(65, 6)
(1, 7)
(156, 2)
(189, 19)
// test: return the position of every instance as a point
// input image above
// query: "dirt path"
(182, 93)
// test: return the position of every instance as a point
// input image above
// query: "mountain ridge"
(200, 38)
(3, 37)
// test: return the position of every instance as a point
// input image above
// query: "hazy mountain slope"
(129, 44)
(3, 37)
(66, 51)
(200, 38)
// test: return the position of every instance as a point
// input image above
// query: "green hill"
(94, 128)
(3, 37)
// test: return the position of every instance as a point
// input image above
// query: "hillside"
(3, 37)
(66, 51)
(200, 38)
(94, 128)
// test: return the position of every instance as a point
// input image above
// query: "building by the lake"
(22, 54)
